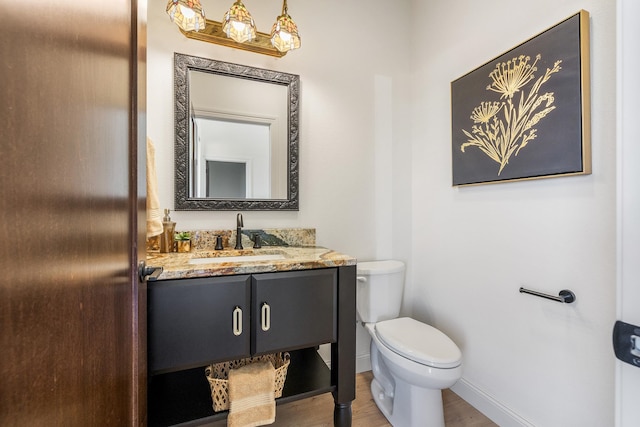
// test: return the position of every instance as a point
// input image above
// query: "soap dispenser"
(167, 237)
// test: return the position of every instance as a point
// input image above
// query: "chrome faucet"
(239, 225)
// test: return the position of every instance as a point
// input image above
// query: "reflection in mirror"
(237, 148)
(231, 160)
(238, 124)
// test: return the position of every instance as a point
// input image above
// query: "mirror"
(236, 136)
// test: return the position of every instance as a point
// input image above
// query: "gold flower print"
(503, 128)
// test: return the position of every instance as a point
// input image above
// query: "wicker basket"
(218, 374)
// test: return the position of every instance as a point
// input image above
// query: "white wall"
(527, 361)
(379, 185)
(338, 127)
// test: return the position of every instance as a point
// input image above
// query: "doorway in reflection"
(226, 180)
(232, 159)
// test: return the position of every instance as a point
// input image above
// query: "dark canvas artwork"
(525, 114)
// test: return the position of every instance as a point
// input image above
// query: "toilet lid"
(380, 267)
(419, 342)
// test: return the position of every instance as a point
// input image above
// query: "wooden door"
(71, 210)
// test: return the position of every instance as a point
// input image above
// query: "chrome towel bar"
(565, 295)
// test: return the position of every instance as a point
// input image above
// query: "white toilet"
(411, 361)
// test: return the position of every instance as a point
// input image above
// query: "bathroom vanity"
(209, 307)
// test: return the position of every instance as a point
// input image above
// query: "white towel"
(154, 215)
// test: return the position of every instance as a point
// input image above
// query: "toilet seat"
(419, 342)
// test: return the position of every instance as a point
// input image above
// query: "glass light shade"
(186, 14)
(284, 34)
(238, 24)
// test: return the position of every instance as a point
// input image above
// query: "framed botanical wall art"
(526, 113)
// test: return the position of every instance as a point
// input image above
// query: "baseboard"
(489, 406)
(483, 402)
(363, 363)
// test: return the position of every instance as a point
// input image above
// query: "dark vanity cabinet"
(195, 322)
(293, 310)
(191, 322)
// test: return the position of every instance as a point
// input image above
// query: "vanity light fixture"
(186, 14)
(284, 34)
(238, 23)
(238, 29)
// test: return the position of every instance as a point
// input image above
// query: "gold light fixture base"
(213, 33)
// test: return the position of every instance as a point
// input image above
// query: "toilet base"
(405, 404)
(409, 406)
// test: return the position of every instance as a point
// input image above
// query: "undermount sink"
(236, 258)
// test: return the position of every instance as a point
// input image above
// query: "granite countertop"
(246, 261)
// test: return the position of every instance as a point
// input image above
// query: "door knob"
(146, 272)
(626, 342)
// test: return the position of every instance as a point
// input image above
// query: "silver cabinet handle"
(266, 316)
(237, 321)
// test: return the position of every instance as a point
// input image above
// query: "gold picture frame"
(526, 113)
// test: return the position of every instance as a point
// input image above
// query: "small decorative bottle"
(167, 237)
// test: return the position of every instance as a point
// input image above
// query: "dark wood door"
(71, 207)
(195, 322)
(294, 309)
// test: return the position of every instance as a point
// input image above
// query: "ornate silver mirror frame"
(184, 200)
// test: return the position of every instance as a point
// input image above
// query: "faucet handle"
(219, 243)
(257, 244)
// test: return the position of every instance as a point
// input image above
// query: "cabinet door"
(295, 309)
(193, 322)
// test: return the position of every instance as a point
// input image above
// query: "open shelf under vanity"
(184, 398)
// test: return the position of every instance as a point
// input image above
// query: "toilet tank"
(380, 286)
